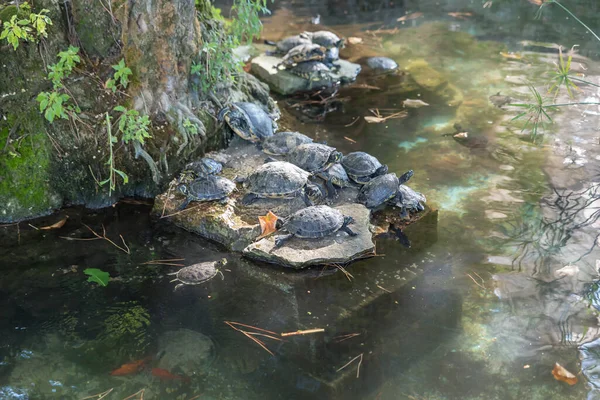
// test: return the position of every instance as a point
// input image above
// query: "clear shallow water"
(475, 309)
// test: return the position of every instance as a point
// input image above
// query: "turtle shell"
(311, 157)
(337, 174)
(311, 70)
(283, 142)
(378, 190)
(290, 42)
(260, 122)
(382, 64)
(302, 53)
(277, 179)
(197, 273)
(209, 188)
(410, 199)
(323, 38)
(360, 166)
(314, 222)
(203, 167)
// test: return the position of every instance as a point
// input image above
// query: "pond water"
(497, 286)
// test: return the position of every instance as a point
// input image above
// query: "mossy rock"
(451, 95)
(425, 76)
(97, 30)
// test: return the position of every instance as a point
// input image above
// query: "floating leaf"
(409, 103)
(561, 374)
(267, 224)
(410, 16)
(374, 120)
(354, 40)
(460, 15)
(57, 225)
(97, 275)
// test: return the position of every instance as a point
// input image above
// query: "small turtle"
(409, 200)
(198, 273)
(288, 43)
(302, 53)
(382, 64)
(313, 71)
(382, 189)
(334, 176)
(248, 121)
(314, 222)
(283, 142)
(362, 167)
(314, 157)
(279, 180)
(207, 188)
(203, 167)
(324, 38)
(499, 100)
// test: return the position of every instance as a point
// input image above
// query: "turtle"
(248, 121)
(302, 53)
(334, 176)
(408, 200)
(198, 273)
(314, 157)
(207, 188)
(203, 167)
(313, 71)
(382, 64)
(331, 55)
(324, 38)
(362, 167)
(314, 222)
(279, 180)
(382, 189)
(288, 43)
(283, 142)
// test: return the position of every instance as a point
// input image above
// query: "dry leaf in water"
(267, 224)
(409, 103)
(460, 15)
(410, 16)
(561, 374)
(511, 56)
(374, 120)
(57, 225)
(354, 40)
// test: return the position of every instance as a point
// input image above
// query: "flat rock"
(338, 248)
(285, 83)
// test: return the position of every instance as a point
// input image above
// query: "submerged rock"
(185, 351)
(337, 248)
(284, 82)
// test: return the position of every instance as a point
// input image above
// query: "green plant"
(56, 104)
(19, 28)
(53, 105)
(121, 77)
(97, 275)
(112, 178)
(15, 30)
(188, 126)
(132, 125)
(534, 112)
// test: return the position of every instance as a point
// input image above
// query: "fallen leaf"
(511, 56)
(536, 2)
(267, 224)
(488, 4)
(97, 275)
(379, 230)
(409, 103)
(354, 40)
(374, 120)
(460, 15)
(349, 139)
(57, 225)
(561, 374)
(410, 16)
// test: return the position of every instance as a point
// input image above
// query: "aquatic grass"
(535, 112)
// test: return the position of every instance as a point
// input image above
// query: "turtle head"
(335, 157)
(406, 176)
(183, 189)
(278, 223)
(340, 44)
(221, 263)
(314, 193)
(221, 115)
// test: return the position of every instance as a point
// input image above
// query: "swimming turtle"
(288, 43)
(248, 121)
(324, 38)
(314, 157)
(382, 64)
(198, 273)
(382, 189)
(279, 180)
(408, 200)
(334, 176)
(206, 188)
(203, 167)
(314, 222)
(302, 53)
(362, 167)
(283, 142)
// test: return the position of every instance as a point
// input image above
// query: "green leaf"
(122, 175)
(120, 109)
(97, 275)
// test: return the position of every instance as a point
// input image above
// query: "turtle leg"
(404, 212)
(402, 238)
(177, 287)
(306, 199)
(249, 199)
(282, 239)
(345, 228)
(184, 204)
(331, 192)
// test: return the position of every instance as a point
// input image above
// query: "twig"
(477, 283)
(99, 395)
(350, 362)
(249, 334)
(249, 326)
(181, 211)
(384, 289)
(258, 342)
(341, 338)
(349, 276)
(166, 201)
(305, 332)
(140, 392)
(165, 262)
(265, 335)
(103, 237)
(349, 139)
(195, 397)
(353, 122)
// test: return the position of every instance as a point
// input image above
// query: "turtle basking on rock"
(288, 43)
(313, 223)
(362, 167)
(313, 71)
(207, 188)
(198, 273)
(324, 38)
(409, 200)
(334, 176)
(248, 121)
(382, 189)
(314, 157)
(282, 143)
(302, 53)
(200, 168)
(279, 180)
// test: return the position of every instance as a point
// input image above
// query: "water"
(490, 295)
